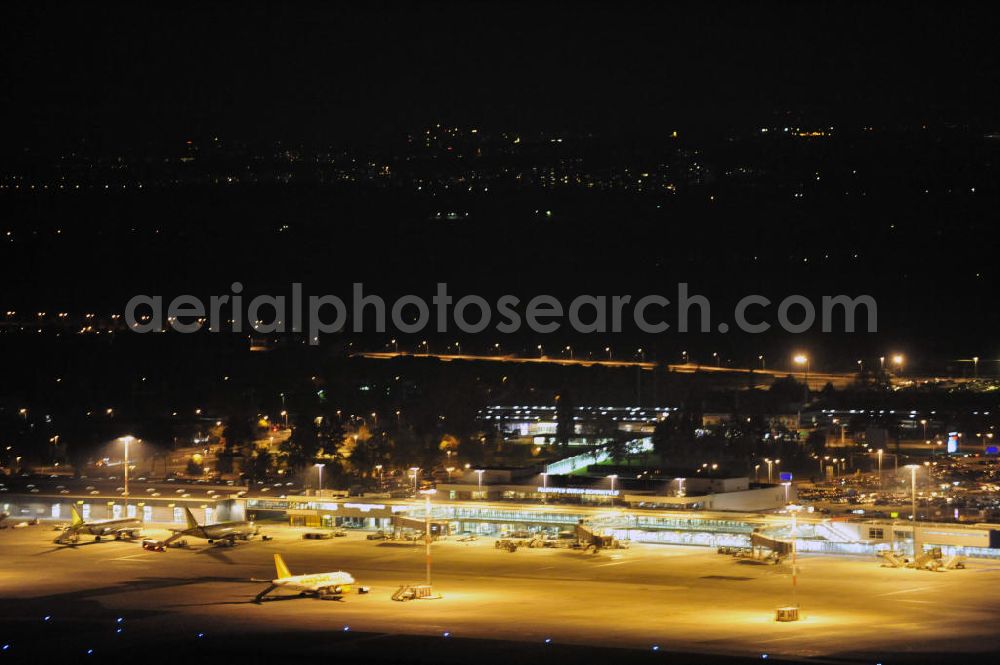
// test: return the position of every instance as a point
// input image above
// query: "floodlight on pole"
(127, 440)
(913, 494)
(427, 529)
(319, 468)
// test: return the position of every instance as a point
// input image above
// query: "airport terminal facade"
(709, 528)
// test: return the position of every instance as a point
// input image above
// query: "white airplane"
(321, 585)
(128, 527)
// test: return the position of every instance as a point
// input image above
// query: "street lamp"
(378, 467)
(127, 440)
(718, 360)
(319, 468)
(569, 350)
(795, 570)
(607, 350)
(613, 477)
(802, 360)
(913, 493)
(975, 367)
(756, 473)
(284, 414)
(923, 421)
(763, 364)
(545, 486)
(540, 351)
(414, 470)
(427, 529)
(897, 360)
(836, 421)
(479, 492)
(880, 453)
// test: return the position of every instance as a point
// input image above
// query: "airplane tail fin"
(77, 520)
(191, 521)
(282, 569)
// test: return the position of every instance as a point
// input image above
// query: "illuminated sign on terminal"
(577, 490)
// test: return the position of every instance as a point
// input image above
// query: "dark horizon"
(115, 75)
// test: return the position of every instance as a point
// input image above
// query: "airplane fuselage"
(109, 527)
(129, 528)
(337, 583)
(223, 531)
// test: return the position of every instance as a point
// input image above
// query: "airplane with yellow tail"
(321, 585)
(127, 528)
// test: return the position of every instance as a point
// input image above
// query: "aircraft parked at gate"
(223, 533)
(128, 528)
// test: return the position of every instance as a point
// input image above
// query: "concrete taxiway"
(683, 599)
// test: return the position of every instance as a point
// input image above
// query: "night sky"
(119, 74)
(96, 82)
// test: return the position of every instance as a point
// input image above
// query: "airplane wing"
(328, 589)
(174, 536)
(260, 596)
(124, 529)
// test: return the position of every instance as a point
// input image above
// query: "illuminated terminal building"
(690, 491)
(589, 422)
(640, 520)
